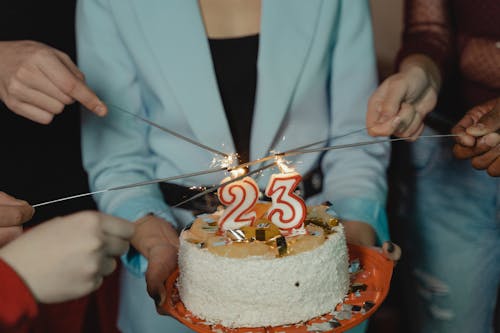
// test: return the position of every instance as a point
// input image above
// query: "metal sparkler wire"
(122, 187)
(300, 150)
(216, 187)
(180, 136)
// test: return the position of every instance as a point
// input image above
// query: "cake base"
(264, 291)
(376, 275)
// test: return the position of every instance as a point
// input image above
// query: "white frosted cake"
(254, 276)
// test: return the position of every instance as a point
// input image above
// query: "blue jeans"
(453, 241)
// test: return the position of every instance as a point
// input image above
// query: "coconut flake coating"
(264, 291)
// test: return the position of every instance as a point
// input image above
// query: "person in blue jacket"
(246, 77)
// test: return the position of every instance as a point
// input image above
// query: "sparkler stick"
(215, 188)
(122, 187)
(293, 152)
(359, 144)
(300, 150)
(180, 136)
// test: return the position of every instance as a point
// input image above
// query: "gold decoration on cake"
(263, 238)
(318, 215)
(220, 246)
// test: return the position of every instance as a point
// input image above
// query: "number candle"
(239, 197)
(288, 211)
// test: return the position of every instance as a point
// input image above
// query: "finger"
(116, 227)
(375, 105)
(488, 123)
(97, 283)
(414, 126)
(494, 168)
(391, 251)
(33, 113)
(491, 139)
(114, 246)
(70, 85)
(462, 152)
(462, 137)
(459, 129)
(483, 161)
(11, 215)
(37, 80)
(40, 100)
(414, 137)
(10, 200)
(107, 266)
(391, 105)
(8, 234)
(65, 59)
(161, 263)
(404, 120)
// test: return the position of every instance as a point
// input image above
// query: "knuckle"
(14, 87)
(12, 103)
(58, 108)
(477, 163)
(91, 269)
(69, 86)
(17, 216)
(41, 53)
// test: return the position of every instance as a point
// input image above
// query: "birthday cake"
(262, 274)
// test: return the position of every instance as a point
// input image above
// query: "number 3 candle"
(288, 211)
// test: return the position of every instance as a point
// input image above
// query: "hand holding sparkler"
(67, 257)
(38, 81)
(479, 138)
(13, 213)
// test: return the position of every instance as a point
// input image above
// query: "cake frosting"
(255, 277)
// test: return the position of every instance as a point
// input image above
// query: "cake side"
(263, 290)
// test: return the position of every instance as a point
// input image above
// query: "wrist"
(424, 66)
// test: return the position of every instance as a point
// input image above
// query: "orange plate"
(375, 274)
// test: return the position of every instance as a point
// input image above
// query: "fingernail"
(100, 110)
(487, 141)
(477, 129)
(390, 246)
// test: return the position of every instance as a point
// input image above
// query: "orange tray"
(375, 275)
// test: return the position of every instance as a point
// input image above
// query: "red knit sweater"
(17, 306)
(463, 38)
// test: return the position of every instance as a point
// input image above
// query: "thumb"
(488, 123)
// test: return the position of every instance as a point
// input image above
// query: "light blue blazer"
(316, 70)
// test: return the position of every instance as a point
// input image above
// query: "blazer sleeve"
(17, 306)
(115, 150)
(355, 178)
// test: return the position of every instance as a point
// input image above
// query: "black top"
(235, 64)
(40, 162)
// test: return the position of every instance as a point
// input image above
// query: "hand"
(13, 213)
(479, 138)
(361, 233)
(37, 81)
(67, 257)
(399, 105)
(158, 241)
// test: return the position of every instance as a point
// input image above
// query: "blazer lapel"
(287, 31)
(183, 55)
